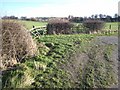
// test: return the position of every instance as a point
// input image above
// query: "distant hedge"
(59, 26)
(92, 26)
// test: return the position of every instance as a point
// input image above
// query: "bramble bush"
(17, 43)
(59, 26)
(92, 26)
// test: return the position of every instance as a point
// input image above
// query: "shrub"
(93, 25)
(59, 26)
(17, 43)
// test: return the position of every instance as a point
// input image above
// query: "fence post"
(110, 26)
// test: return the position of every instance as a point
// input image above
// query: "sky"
(57, 8)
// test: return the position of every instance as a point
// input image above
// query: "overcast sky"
(58, 8)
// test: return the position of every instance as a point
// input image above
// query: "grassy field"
(29, 24)
(52, 68)
(114, 26)
(47, 73)
(64, 61)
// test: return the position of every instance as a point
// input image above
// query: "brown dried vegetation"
(59, 26)
(17, 43)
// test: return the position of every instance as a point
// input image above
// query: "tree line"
(106, 18)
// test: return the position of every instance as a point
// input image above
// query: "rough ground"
(110, 40)
(102, 40)
(81, 59)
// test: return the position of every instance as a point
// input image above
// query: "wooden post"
(110, 26)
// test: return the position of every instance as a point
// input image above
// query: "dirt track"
(111, 40)
(81, 59)
(102, 40)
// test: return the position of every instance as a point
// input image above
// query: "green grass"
(99, 70)
(44, 70)
(29, 24)
(114, 26)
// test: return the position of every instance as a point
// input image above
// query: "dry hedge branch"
(93, 25)
(59, 26)
(17, 43)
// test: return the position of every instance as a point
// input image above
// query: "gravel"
(110, 40)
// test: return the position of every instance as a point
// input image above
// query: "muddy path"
(78, 63)
(111, 40)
